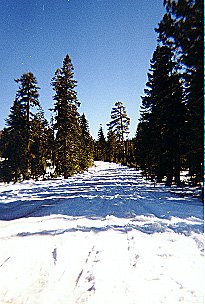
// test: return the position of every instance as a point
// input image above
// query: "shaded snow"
(105, 236)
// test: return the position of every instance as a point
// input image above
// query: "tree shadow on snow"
(100, 201)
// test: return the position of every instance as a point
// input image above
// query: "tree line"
(169, 136)
(116, 147)
(29, 145)
(170, 132)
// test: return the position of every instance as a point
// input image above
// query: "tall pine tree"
(27, 96)
(119, 124)
(67, 125)
(158, 142)
(182, 25)
(17, 136)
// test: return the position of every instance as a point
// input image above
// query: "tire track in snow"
(85, 285)
(133, 255)
(86, 261)
(6, 260)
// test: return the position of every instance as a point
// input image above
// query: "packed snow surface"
(104, 236)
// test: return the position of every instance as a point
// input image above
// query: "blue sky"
(110, 43)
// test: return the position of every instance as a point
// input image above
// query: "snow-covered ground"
(105, 236)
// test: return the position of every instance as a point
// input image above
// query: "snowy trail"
(105, 236)
(105, 190)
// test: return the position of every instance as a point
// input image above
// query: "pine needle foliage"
(182, 27)
(67, 121)
(17, 136)
(119, 124)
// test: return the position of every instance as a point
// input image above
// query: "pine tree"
(17, 136)
(87, 145)
(51, 144)
(68, 131)
(182, 26)
(40, 144)
(130, 152)
(144, 149)
(159, 133)
(111, 146)
(13, 144)
(27, 96)
(119, 124)
(101, 146)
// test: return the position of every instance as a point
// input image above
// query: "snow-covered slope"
(105, 236)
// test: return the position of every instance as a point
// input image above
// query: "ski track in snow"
(104, 236)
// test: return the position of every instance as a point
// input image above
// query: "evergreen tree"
(119, 124)
(27, 96)
(52, 146)
(13, 144)
(159, 133)
(68, 131)
(130, 152)
(40, 144)
(87, 145)
(111, 146)
(16, 137)
(182, 25)
(101, 146)
(144, 148)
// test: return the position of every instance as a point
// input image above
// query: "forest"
(169, 136)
